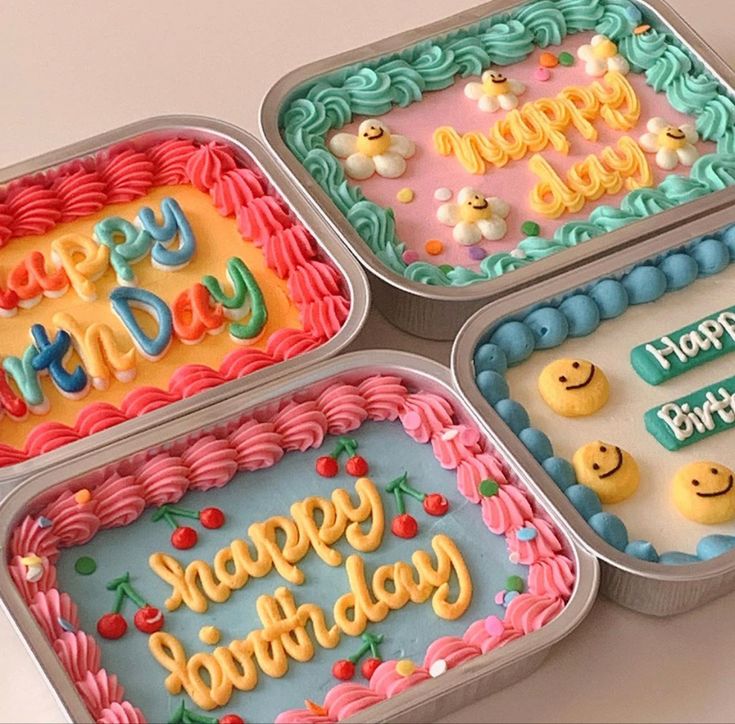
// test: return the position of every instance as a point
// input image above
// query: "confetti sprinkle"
(209, 635)
(66, 625)
(542, 74)
(548, 60)
(44, 522)
(488, 488)
(85, 566)
(500, 597)
(514, 583)
(405, 195)
(477, 253)
(566, 59)
(514, 557)
(410, 256)
(509, 597)
(434, 247)
(530, 228)
(448, 435)
(438, 668)
(642, 29)
(443, 194)
(526, 534)
(518, 253)
(405, 667)
(446, 268)
(83, 496)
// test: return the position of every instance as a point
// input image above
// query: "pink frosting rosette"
(73, 523)
(212, 462)
(241, 362)
(208, 164)
(424, 414)
(344, 408)
(384, 396)
(545, 544)
(79, 654)
(552, 577)
(51, 609)
(477, 634)
(121, 713)
(509, 508)
(262, 218)
(163, 479)
(451, 649)
(33, 209)
(29, 589)
(31, 537)
(301, 425)
(528, 612)
(127, 173)
(471, 472)
(313, 282)
(99, 691)
(81, 192)
(170, 158)
(346, 700)
(236, 188)
(288, 249)
(324, 317)
(257, 445)
(454, 444)
(284, 344)
(387, 682)
(119, 500)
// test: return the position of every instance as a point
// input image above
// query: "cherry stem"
(399, 501)
(182, 715)
(406, 488)
(123, 589)
(348, 445)
(183, 512)
(169, 512)
(370, 643)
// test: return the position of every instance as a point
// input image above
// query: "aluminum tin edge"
(463, 374)
(418, 370)
(541, 269)
(248, 148)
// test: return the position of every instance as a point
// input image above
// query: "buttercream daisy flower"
(673, 145)
(496, 91)
(373, 150)
(474, 217)
(601, 56)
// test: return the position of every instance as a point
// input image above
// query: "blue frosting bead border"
(550, 324)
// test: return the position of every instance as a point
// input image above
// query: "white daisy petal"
(507, 101)
(597, 39)
(466, 234)
(690, 132)
(343, 145)
(649, 142)
(489, 104)
(402, 146)
(465, 193)
(389, 164)
(516, 87)
(687, 154)
(448, 214)
(492, 229)
(475, 91)
(618, 64)
(595, 67)
(666, 159)
(656, 125)
(359, 166)
(499, 207)
(585, 52)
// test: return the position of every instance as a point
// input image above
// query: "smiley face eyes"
(575, 365)
(714, 471)
(603, 449)
(695, 482)
(562, 379)
(595, 466)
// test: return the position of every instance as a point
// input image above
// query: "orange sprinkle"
(82, 496)
(314, 708)
(405, 667)
(642, 29)
(434, 247)
(548, 60)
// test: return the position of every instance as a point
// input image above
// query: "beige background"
(74, 69)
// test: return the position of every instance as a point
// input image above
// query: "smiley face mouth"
(482, 206)
(585, 383)
(617, 467)
(724, 491)
(677, 136)
(498, 79)
(377, 136)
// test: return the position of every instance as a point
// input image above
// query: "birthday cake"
(623, 390)
(326, 554)
(467, 156)
(144, 275)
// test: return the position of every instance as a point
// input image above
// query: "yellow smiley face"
(672, 137)
(704, 492)
(475, 208)
(373, 138)
(573, 387)
(610, 471)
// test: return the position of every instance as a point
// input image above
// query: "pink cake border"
(35, 204)
(256, 442)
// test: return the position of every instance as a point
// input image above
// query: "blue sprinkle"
(44, 522)
(66, 625)
(509, 597)
(526, 534)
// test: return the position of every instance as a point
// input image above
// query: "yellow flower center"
(475, 209)
(605, 49)
(497, 87)
(672, 138)
(373, 140)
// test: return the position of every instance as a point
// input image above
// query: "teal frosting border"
(373, 88)
(578, 314)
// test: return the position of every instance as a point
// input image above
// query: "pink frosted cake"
(324, 554)
(472, 154)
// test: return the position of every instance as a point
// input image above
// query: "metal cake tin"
(651, 588)
(249, 150)
(439, 312)
(432, 699)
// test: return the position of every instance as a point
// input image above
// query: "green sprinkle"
(514, 583)
(566, 59)
(446, 268)
(530, 228)
(85, 566)
(488, 488)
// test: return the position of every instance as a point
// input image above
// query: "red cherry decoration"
(436, 504)
(327, 466)
(184, 537)
(343, 670)
(112, 626)
(211, 517)
(148, 619)
(368, 667)
(357, 466)
(405, 526)
(230, 719)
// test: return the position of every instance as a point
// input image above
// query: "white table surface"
(78, 68)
